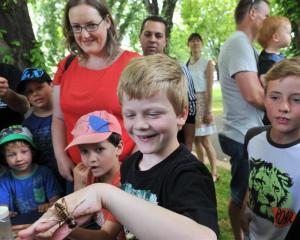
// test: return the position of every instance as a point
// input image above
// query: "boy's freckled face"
(282, 104)
(101, 157)
(19, 158)
(152, 124)
(39, 94)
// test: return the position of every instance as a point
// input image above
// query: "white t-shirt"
(237, 55)
(274, 185)
(197, 71)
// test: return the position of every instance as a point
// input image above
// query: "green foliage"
(223, 195)
(291, 10)
(5, 52)
(47, 17)
(212, 19)
(7, 4)
(37, 58)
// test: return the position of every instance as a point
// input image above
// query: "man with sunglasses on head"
(12, 105)
(242, 94)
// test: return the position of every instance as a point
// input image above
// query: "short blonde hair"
(269, 26)
(145, 76)
(283, 69)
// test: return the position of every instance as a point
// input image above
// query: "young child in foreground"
(36, 85)
(178, 189)
(26, 186)
(98, 137)
(273, 152)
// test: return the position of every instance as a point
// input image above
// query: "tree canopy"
(37, 38)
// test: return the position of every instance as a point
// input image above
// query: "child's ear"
(181, 118)
(120, 148)
(275, 37)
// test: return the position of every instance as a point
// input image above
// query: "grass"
(223, 194)
(217, 100)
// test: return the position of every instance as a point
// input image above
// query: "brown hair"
(112, 44)
(269, 26)
(283, 69)
(195, 35)
(148, 75)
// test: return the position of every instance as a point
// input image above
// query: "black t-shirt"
(179, 183)
(7, 115)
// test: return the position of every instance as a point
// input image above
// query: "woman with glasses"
(88, 81)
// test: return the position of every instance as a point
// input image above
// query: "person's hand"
(13, 214)
(80, 205)
(4, 87)
(208, 118)
(65, 168)
(43, 207)
(82, 176)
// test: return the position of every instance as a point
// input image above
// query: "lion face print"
(268, 189)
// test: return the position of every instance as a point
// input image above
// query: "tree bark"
(151, 7)
(17, 38)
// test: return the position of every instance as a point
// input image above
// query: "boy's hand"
(82, 176)
(81, 205)
(4, 87)
(208, 118)
(13, 214)
(43, 207)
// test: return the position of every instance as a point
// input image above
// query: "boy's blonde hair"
(283, 69)
(269, 26)
(148, 75)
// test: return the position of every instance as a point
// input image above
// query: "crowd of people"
(110, 139)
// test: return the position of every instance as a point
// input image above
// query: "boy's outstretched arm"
(145, 220)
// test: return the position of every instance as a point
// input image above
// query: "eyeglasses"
(90, 27)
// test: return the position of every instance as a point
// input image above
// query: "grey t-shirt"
(237, 55)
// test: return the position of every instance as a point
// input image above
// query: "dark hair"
(114, 139)
(195, 35)
(244, 7)
(112, 44)
(154, 18)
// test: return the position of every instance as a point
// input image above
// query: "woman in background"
(201, 70)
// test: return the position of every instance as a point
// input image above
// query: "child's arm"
(145, 220)
(109, 231)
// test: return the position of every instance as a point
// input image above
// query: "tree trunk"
(17, 37)
(151, 7)
(167, 12)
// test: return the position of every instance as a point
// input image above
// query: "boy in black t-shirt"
(153, 95)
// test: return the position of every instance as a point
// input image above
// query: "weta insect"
(61, 210)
